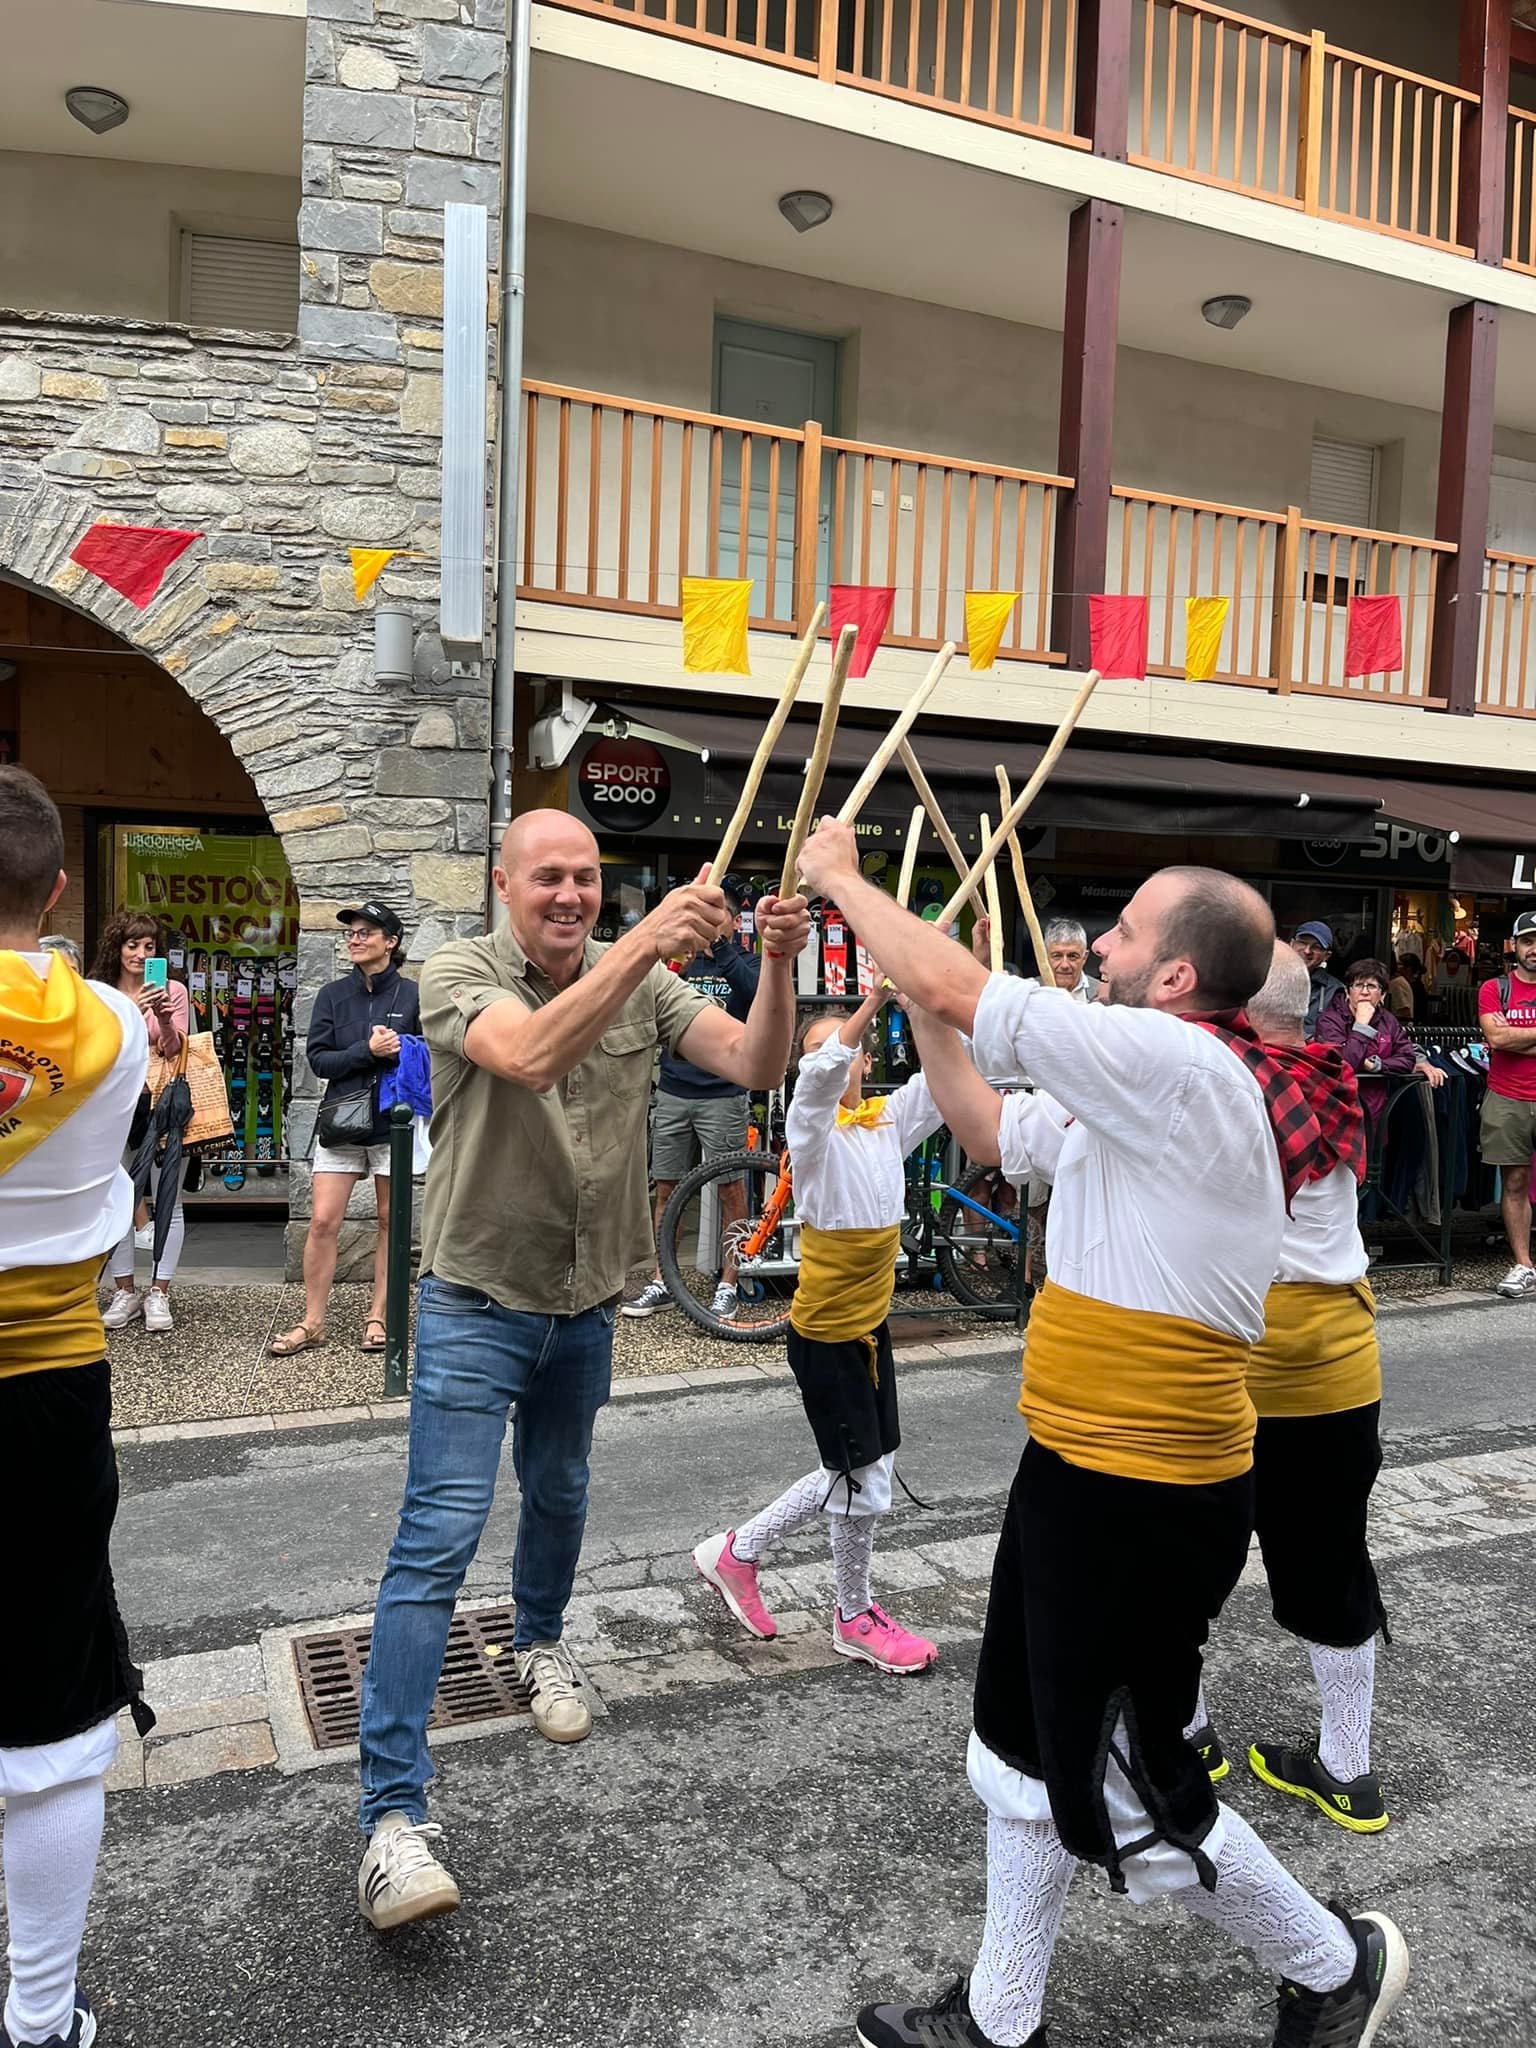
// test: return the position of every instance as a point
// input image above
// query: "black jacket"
(345, 1012)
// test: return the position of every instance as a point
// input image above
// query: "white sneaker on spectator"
(1517, 1282)
(157, 1311)
(124, 1308)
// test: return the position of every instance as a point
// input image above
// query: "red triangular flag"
(1117, 637)
(867, 606)
(1373, 645)
(132, 560)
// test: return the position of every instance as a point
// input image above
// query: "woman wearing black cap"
(354, 1034)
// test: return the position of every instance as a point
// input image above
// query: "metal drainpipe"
(514, 258)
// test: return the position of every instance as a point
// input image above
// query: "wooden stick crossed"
(821, 752)
(1021, 883)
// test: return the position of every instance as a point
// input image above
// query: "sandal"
(375, 1323)
(302, 1337)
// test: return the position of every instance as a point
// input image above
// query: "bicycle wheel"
(977, 1259)
(766, 1270)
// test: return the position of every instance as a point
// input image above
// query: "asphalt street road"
(749, 1846)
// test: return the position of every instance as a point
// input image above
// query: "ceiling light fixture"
(1227, 310)
(96, 107)
(805, 210)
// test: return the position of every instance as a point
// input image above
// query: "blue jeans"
(474, 1361)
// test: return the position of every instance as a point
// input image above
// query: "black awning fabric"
(1096, 788)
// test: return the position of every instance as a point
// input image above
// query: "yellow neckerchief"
(1318, 1354)
(58, 1041)
(49, 1318)
(845, 1286)
(869, 1116)
(1136, 1393)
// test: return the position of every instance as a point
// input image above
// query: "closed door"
(781, 379)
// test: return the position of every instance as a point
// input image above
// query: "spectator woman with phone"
(127, 960)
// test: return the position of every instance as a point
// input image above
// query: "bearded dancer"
(1315, 1381)
(73, 1055)
(850, 1196)
(1166, 1226)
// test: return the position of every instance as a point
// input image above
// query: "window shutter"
(232, 283)
(1343, 487)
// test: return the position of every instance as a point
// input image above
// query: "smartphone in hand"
(155, 971)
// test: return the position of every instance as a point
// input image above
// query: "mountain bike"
(972, 1244)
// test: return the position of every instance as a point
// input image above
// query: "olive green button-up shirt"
(540, 1200)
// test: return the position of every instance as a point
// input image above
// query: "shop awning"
(1492, 830)
(1093, 788)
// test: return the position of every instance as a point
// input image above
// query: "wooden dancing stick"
(994, 906)
(1024, 799)
(909, 858)
(1021, 883)
(821, 752)
(863, 789)
(940, 823)
(765, 746)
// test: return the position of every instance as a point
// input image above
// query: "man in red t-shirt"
(1506, 1009)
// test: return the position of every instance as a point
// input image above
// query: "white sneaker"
(1517, 1282)
(144, 1236)
(554, 1692)
(157, 1311)
(124, 1308)
(400, 1879)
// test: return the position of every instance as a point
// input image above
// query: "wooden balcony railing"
(621, 500)
(934, 529)
(1221, 96)
(1520, 191)
(1389, 152)
(1506, 682)
(1167, 549)
(1322, 567)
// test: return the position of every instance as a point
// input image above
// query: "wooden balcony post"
(1309, 138)
(826, 40)
(1103, 98)
(807, 525)
(1461, 505)
(1484, 69)
(1282, 632)
(1089, 334)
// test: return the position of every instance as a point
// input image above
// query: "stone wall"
(285, 452)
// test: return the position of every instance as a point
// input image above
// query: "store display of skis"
(266, 1069)
(287, 997)
(237, 1066)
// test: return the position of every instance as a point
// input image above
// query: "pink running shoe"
(735, 1581)
(882, 1642)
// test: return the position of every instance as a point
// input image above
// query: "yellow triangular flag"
(986, 614)
(368, 565)
(715, 625)
(1205, 620)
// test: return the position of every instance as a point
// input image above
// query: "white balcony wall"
(79, 235)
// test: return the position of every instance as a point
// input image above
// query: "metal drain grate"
(479, 1681)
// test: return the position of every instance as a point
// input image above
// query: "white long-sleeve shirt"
(1168, 1195)
(846, 1177)
(1322, 1242)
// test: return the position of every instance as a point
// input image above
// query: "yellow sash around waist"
(1318, 1355)
(49, 1317)
(846, 1281)
(1141, 1395)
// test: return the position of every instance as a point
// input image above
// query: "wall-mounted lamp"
(1229, 309)
(96, 107)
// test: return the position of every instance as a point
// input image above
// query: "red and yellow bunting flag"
(132, 560)
(1117, 637)
(715, 625)
(1205, 620)
(986, 618)
(867, 606)
(1374, 643)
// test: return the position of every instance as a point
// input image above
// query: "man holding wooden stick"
(1128, 1523)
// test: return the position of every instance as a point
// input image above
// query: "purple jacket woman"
(1374, 1047)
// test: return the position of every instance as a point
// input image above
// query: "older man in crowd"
(542, 1049)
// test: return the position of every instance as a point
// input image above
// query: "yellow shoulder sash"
(58, 1042)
